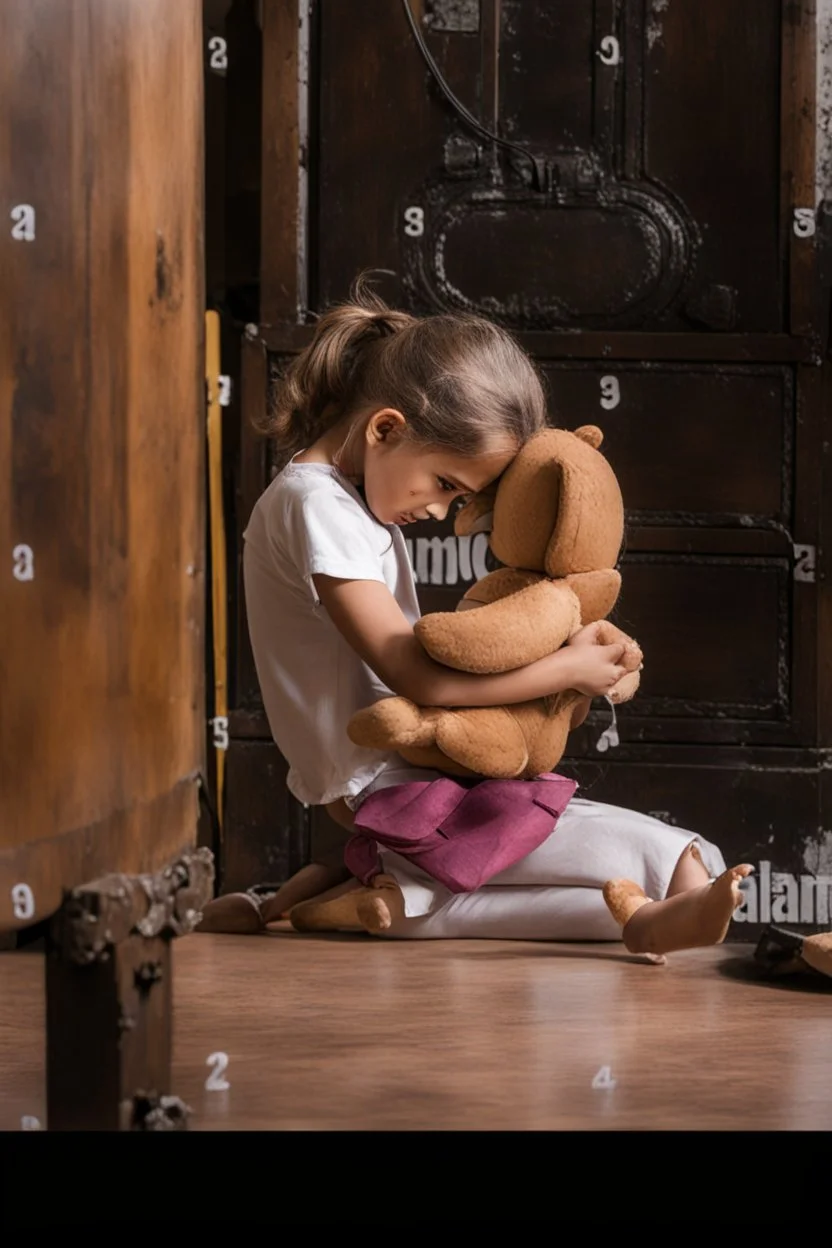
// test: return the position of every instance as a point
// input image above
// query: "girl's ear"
(385, 424)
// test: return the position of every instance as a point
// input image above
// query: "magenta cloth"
(462, 834)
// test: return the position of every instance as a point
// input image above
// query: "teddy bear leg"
(488, 740)
(392, 723)
(365, 909)
(688, 920)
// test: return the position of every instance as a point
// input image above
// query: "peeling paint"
(823, 161)
(452, 15)
(655, 30)
(817, 853)
(304, 17)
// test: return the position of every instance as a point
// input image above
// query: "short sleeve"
(331, 535)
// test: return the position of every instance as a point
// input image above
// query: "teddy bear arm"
(597, 592)
(497, 585)
(505, 634)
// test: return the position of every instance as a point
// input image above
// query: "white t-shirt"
(312, 520)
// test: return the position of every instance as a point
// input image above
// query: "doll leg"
(592, 844)
(513, 913)
(695, 896)
(595, 842)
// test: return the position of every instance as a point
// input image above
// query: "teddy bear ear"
(591, 434)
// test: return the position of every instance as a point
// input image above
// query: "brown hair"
(458, 380)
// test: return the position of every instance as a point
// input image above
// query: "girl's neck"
(339, 448)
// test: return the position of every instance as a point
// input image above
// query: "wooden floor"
(340, 1032)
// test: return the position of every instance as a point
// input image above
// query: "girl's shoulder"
(317, 488)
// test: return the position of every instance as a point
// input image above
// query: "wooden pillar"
(109, 998)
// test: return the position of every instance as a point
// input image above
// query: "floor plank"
(340, 1032)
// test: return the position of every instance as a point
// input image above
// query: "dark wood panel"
(716, 631)
(703, 141)
(624, 137)
(821, 640)
(688, 445)
(233, 58)
(798, 172)
(598, 345)
(283, 255)
(547, 72)
(266, 832)
(378, 133)
(101, 432)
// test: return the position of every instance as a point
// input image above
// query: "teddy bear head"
(557, 508)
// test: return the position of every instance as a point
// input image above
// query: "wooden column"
(109, 998)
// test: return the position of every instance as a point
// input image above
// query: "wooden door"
(101, 435)
(653, 238)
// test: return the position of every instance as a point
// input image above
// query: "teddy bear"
(555, 520)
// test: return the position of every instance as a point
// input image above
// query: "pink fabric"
(460, 833)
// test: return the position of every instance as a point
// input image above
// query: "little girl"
(383, 420)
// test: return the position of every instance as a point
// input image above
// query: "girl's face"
(405, 482)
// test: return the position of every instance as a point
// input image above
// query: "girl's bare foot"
(360, 910)
(245, 915)
(238, 913)
(689, 920)
(311, 881)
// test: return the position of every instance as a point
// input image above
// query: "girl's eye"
(447, 485)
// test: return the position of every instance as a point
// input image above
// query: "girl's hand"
(594, 670)
(586, 636)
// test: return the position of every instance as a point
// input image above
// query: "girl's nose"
(437, 511)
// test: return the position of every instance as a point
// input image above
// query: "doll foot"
(690, 920)
(238, 913)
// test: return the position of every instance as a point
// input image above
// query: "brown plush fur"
(558, 523)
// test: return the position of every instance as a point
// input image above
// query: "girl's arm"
(370, 619)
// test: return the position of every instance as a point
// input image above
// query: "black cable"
(208, 806)
(539, 179)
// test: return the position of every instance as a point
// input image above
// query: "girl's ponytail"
(318, 384)
(461, 382)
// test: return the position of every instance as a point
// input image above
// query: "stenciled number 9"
(610, 392)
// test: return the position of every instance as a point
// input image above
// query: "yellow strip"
(218, 568)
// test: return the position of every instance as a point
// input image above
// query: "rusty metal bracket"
(150, 1112)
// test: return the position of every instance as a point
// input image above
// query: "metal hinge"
(804, 563)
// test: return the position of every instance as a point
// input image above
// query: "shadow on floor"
(747, 970)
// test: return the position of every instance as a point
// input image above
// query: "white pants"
(554, 893)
